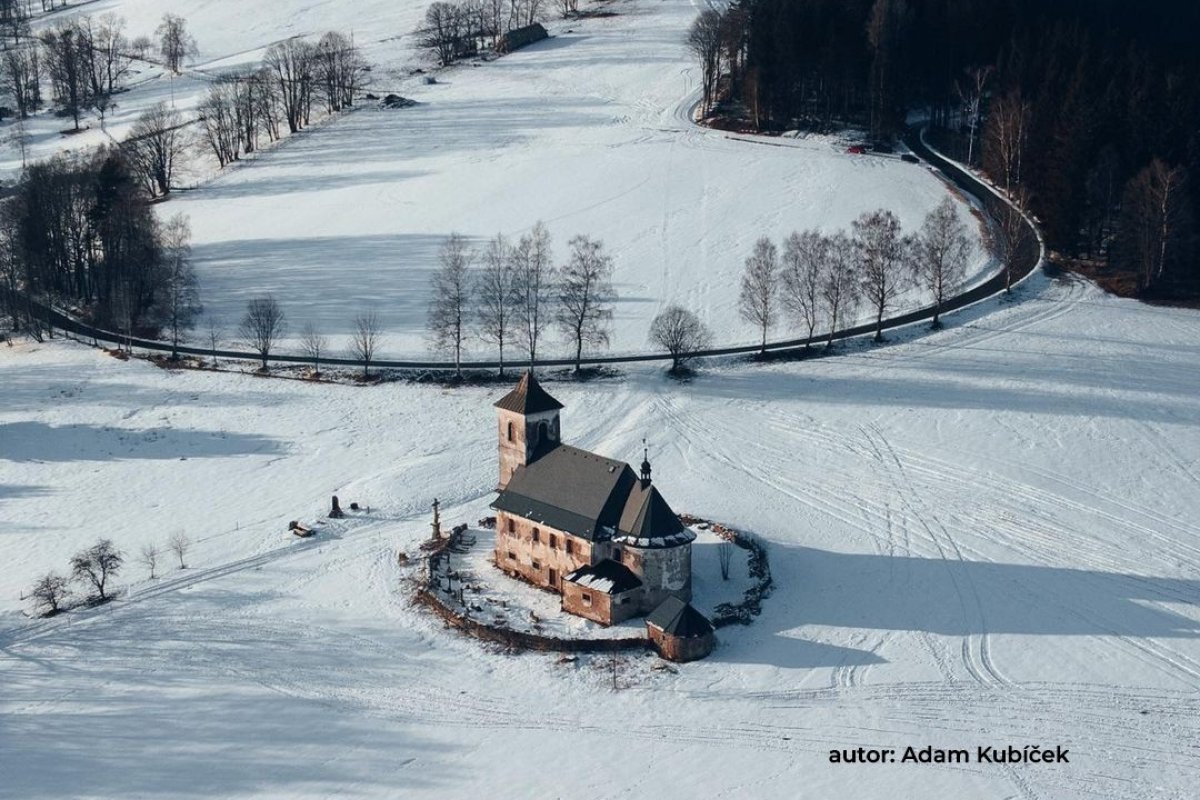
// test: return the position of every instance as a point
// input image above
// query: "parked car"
(856, 149)
(910, 158)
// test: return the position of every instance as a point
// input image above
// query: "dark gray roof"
(572, 490)
(678, 618)
(528, 397)
(647, 515)
(607, 576)
(590, 496)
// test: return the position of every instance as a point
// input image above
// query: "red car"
(856, 149)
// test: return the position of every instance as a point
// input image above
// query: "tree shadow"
(38, 441)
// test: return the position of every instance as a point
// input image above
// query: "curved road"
(964, 180)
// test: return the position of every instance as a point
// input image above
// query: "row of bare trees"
(821, 280)
(511, 293)
(264, 324)
(296, 77)
(85, 60)
(455, 30)
(94, 568)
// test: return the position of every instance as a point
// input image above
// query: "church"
(580, 524)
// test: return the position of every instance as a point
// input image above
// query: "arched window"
(510, 432)
(512, 526)
(543, 432)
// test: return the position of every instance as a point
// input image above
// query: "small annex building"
(581, 524)
(680, 632)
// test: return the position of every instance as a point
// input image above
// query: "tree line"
(511, 294)
(1085, 111)
(820, 280)
(458, 30)
(94, 568)
(79, 231)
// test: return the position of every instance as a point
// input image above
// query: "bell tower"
(528, 426)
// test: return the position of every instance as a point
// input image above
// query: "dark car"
(910, 158)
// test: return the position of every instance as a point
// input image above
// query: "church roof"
(677, 618)
(593, 497)
(606, 576)
(528, 397)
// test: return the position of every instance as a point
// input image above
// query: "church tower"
(528, 425)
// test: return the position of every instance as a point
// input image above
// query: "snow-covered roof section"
(607, 576)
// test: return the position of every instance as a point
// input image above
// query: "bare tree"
(313, 344)
(1155, 223)
(148, 557)
(262, 326)
(175, 44)
(681, 333)
(496, 295)
(214, 333)
(180, 298)
(585, 296)
(22, 77)
(340, 68)
(940, 254)
(292, 64)
(443, 32)
(804, 257)
(156, 143)
(535, 278)
(839, 284)
(365, 338)
(97, 565)
(451, 304)
(220, 120)
(971, 93)
(1014, 237)
(880, 251)
(704, 40)
(1007, 133)
(757, 300)
(567, 8)
(49, 594)
(179, 544)
(67, 68)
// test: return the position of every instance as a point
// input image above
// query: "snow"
(979, 537)
(982, 536)
(588, 131)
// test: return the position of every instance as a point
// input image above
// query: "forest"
(1085, 111)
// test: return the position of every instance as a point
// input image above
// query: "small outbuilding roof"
(680, 619)
(528, 398)
(607, 576)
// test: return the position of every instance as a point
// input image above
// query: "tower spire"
(645, 463)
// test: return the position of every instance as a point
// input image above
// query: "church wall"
(515, 452)
(598, 606)
(666, 572)
(519, 541)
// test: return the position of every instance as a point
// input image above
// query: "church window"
(553, 542)
(512, 556)
(569, 546)
(537, 565)
(585, 598)
(537, 535)
(510, 431)
(512, 526)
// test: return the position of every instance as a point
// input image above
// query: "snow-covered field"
(588, 131)
(985, 536)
